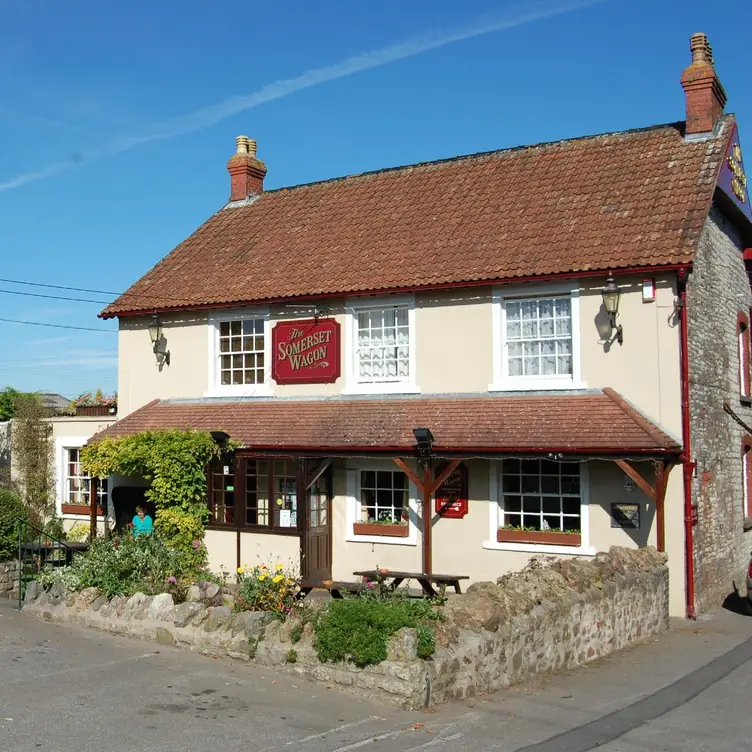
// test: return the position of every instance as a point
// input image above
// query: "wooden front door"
(317, 538)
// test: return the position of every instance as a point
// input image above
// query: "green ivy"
(174, 463)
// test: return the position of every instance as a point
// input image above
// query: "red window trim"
(747, 474)
(745, 366)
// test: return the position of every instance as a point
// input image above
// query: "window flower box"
(388, 530)
(80, 509)
(542, 537)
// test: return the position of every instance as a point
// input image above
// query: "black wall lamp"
(423, 442)
(611, 295)
(155, 334)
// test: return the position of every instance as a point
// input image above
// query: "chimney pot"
(246, 170)
(704, 94)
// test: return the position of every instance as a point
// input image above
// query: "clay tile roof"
(629, 199)
(588, 422)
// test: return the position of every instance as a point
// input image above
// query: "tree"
(31, 441)
(8, 398)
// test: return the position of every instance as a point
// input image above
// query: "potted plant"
(96, 404)
(385, 525)
(517, 534)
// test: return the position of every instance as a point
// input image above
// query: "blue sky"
(116, 120)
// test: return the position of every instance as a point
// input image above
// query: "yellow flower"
(262, 577)
(240, 570)
(279, 567)
(278, 578)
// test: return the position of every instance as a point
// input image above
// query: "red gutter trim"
(688, 466)
(459, 450)
(396, 290)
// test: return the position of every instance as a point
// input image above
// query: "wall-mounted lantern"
(155, 335)
(611, 295)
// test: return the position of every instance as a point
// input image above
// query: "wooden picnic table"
(336, 589)
(427, 581)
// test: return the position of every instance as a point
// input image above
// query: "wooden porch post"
(427, 486)
(657, 495)
(93, 487)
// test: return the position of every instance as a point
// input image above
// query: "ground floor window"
(540, 495)
(254, 493)
(77, 485)
(383, 496)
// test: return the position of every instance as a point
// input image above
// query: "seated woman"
(142, 523)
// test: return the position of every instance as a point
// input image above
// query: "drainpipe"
(687, 465)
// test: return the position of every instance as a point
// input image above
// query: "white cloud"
(532, 10)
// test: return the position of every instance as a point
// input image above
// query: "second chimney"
(246, 170)
(703, 90)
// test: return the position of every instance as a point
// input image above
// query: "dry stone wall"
(9, 579)
(552, 615)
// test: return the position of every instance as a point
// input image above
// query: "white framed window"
(383, 496)
(539, 494)
(378, 493)
(240, 354)
(536, 333)
(72, 483)
(380, 346)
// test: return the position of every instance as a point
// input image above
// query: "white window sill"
(394, 387)
(532, 548)
(246, 390)
(386, 540)
(79, 517)
(536, 385)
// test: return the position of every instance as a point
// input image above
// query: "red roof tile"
(591, 422)
(630, 199)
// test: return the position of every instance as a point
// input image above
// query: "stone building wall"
(718, 290)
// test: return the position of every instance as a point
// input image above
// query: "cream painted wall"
(458, 545)
(454, 349)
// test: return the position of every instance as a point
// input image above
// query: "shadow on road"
(737, 603)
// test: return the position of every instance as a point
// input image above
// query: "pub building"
(452, 367)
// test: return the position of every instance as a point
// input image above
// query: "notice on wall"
(451, 497)
(625, 516)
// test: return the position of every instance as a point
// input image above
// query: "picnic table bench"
(336, 589)
(426, 581)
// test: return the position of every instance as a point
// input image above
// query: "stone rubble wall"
(9, 579)
(717, 292)
(551, 616)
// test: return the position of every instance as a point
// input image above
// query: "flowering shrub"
(123, 566)
(87, 399)
(263, 589)
(78, 533)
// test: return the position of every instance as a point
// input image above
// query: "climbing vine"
(174, 463)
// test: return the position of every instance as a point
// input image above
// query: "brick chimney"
(703, 90)
(246, 170)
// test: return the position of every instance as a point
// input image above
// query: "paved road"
(63, 690)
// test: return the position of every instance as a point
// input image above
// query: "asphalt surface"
(63, 688)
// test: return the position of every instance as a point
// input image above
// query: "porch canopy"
(586, 424)
(592, 423)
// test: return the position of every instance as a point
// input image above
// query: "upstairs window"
(742, 330)
(381, 344)
(240, 352)
(536, 338)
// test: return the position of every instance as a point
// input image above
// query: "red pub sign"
(306, 351)
(451, 497)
